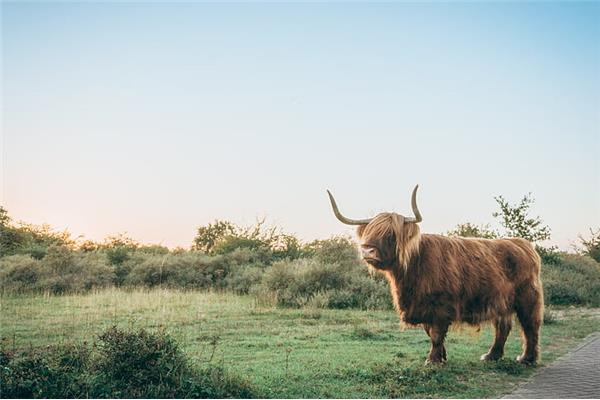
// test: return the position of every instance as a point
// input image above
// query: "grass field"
(293, 353)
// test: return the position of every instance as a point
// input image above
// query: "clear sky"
(156, 118)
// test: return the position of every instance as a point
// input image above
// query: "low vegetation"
(332, 276)
(168, 342)
(273, 267)
(120, 364)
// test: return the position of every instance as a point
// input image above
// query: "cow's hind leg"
(437, 334)
(529, 305)
(502, 326)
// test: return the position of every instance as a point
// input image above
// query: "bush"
(66, 271)
(61, 271)
(188, 270)
(231, 244)
(279, 281)
(243, 277)
(19, 273)
(310, 282)
(192, 270)
(139, 364)
(337, 250)
(364, 292)
(549, 255)
(572, 281)
(52, 372)
(124, 364)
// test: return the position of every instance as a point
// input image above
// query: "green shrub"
(231, 243)
(261, 252)
(66, 272)
(117, 255)
(35, 250)
(310, 282)
(52, 372)
(549, 255)
(572, 281)
(61, 271)
(19, 273)
(336, 250)
(243, 277)
(187, 270)
(123, 364)
(279, 280)
(184, 271)
(138, 364)
(363, 291)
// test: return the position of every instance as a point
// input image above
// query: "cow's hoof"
(490, 357)
(526, 360)
(434, 361)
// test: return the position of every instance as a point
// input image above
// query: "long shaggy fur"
(437, 280)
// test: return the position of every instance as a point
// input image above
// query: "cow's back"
(463, 279)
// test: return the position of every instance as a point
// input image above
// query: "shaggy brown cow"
(437, 280)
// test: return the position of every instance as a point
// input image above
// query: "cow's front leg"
(437, 334)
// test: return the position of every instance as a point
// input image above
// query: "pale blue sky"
(156, 118)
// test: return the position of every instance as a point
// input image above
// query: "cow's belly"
(443, 307)
(434, 307)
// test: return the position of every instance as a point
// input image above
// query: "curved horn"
(343, 219)
(418, 217)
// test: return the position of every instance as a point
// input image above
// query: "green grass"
(293, 353)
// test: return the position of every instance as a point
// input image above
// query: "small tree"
(4, 218)
(471, 230)
(222, 237)
(11, 239)
(516, 221)
(208, 236)
(22, 238)
(592, 245)
(119, 247)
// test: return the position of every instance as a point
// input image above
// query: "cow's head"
(388, 239)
